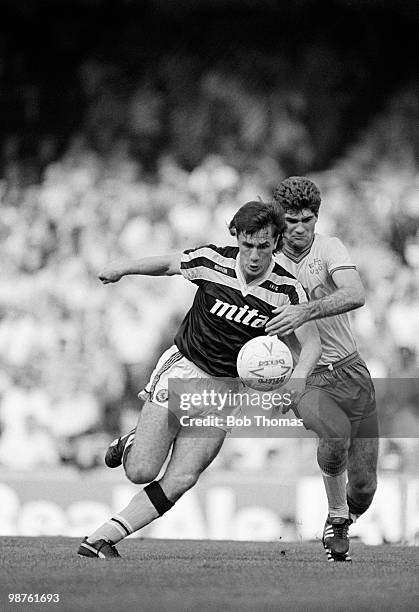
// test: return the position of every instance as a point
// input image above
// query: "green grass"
(187, 575)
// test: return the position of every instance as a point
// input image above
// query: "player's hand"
(287, 319)
(110, 275)
(292, 391)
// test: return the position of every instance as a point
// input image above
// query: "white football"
(264, 363)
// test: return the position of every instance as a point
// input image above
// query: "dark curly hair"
(254, 216)
(296, 193)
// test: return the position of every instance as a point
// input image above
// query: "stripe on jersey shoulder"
(270, 296)
(210, 253)
(203, 272)
(280, 271)
(287, 285)
(209, 264)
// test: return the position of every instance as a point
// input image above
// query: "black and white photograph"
(209, 305)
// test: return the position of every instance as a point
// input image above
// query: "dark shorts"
(340, 393)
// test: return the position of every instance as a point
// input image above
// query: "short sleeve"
(337, 256)
(287, 288)
(196, 264)
(190, 265)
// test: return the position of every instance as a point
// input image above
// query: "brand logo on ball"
(271, 362)
(264, 363)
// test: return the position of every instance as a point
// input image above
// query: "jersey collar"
(244, 286)
(297, 258)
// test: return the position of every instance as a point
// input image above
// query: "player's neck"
(295, 251)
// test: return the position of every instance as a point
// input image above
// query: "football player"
(238, 288)
(339, 400)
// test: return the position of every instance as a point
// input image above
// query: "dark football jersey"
(227, 311)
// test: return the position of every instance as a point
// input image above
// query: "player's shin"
(336, 494)
(145, 507)
(332, 460)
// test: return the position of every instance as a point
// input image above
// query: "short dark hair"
(254, 216)
(296, 193)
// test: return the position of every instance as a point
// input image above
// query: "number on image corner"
(34, 597)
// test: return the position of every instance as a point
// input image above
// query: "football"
(264, 363)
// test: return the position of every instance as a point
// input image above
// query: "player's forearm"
(146, 266)
(164, 265)
(340, 301)
(311, 350)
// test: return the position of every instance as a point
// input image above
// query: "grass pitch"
(182, 575)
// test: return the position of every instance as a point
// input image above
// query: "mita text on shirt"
(240, 314)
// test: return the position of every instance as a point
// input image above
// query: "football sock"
(158, 497)
(336, 494)
(139, 513)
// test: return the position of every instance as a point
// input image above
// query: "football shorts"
(174, 381)
(343, 387)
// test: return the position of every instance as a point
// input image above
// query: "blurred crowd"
(74, 354)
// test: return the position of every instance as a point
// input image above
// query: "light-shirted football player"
(339, 399)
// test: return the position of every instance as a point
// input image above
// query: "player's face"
(299, 229)
(256, 252)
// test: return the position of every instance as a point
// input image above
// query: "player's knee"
(177, 484)
(332, 455)
(333, 447)
(324, 427)
(140, 474)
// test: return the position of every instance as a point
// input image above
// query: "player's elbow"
(172, 271)
(172, 268)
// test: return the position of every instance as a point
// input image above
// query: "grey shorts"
(344, 387)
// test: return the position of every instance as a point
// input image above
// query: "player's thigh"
(192, 453)
(362, 460)
(154, 435)
(321, 414)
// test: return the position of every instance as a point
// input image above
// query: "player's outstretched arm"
(160, 265)
(349, 294)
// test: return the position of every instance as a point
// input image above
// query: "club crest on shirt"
(162, 395)
(315, 266)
